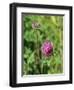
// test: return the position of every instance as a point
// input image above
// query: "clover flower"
(47, 48)
(35, 25)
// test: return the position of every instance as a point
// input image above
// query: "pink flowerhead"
(47, 48)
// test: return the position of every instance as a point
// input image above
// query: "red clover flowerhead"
(35, 25)
(47, 48)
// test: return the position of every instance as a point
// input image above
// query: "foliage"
(51, 29)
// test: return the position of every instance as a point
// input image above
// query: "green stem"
(37, 53)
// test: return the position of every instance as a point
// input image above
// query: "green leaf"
(31, 58)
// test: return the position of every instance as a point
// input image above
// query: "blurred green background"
(51, 29)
